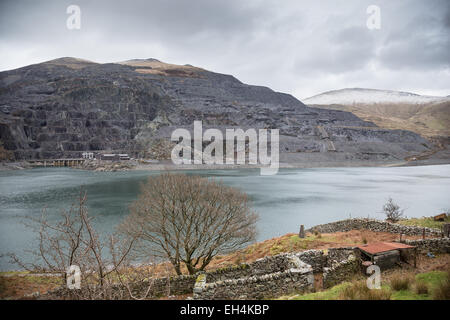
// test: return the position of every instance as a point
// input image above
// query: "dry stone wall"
(298, 277)
(176, 285)
(315, 258)
(373, 225)
(233, 272)
(340, 271)
(271, 264)
(277, 275)
(437, 245)
(267, 277)
(336, 255)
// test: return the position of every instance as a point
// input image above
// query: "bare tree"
(392, 211)
(73, 241)
(189, 220)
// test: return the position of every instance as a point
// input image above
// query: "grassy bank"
(400, 286)
(427, 222)
(14, 285)
(22, 283)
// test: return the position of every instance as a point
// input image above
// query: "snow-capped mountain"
(369, 96)
(426, 115)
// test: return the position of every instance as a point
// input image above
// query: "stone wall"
(276, 275)
(336, 255)
(232, 272)
(339, 272)
(271, 264)
(171, 286)
(297, 278)
(373, 225)
(270, 276)
(176, 285)
(315, 258)
(267, 277)
(281, 268)
(437, 245)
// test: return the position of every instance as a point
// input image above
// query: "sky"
(297, 47)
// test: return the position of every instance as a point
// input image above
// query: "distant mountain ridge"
(362, 95)
(426, 115)
(63, 107)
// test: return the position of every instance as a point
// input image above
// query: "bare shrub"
(392, 211)
(189, 220)
(73, 241)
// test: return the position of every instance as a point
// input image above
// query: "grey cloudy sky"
(298, 47)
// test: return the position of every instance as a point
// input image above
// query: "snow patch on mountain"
(358, 95)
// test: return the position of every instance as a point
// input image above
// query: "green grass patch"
(330, 294)
(433, 278)
(408, 295)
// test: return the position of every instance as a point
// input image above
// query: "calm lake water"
(284, 201)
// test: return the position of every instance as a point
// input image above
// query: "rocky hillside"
(426, 115)
(63, 107)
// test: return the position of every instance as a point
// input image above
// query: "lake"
(284, 201)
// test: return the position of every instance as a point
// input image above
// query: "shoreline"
(167, 165)
(315, 165)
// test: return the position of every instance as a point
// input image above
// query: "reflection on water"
(284, 201)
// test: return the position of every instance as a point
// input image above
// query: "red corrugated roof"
(378, 247)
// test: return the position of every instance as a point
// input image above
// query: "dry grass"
(163, 69)
(16, 286)
(442, 290)
(425, 222)
(401, 281)
(421, 287)
(359, 291)
(439, 263)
